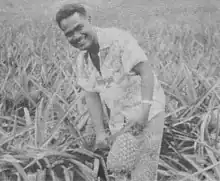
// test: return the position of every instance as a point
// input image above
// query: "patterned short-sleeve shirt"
(118, 86)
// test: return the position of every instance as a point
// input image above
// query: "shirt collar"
(103, 37)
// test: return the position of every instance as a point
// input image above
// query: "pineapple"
(123, 153)
(145, 171)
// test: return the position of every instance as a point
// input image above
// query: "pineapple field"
(45, 132)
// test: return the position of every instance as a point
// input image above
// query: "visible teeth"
(82, 39)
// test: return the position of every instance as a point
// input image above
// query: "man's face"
(78, 31)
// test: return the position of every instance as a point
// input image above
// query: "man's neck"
(93, 52)
(94, 49)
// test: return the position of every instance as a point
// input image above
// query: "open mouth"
(81, 40)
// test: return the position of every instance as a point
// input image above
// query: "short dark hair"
(69, 9)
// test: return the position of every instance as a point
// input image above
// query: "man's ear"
(90, 19)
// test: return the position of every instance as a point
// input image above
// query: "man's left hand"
(139, 124)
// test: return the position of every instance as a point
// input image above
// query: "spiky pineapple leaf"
(40, 125)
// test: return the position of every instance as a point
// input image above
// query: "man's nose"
(75, 37)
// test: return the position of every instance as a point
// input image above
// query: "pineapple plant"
(42, 115)
(187, 59)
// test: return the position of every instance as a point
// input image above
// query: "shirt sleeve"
(132, 53)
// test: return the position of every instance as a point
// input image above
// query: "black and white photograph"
(110, 90)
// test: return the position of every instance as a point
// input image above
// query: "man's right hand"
(95, 108)
(101, 140)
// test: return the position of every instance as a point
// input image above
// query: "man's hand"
(139, 124)
(95, 108)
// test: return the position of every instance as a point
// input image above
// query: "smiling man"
(112, 68)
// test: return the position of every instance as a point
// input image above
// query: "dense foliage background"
(43, 114)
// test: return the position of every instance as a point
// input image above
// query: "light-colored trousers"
(148, 159)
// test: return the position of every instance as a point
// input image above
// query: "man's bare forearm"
(95, 108)
(147, 86)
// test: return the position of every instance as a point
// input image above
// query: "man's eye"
(69, 34)
(79, 27)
